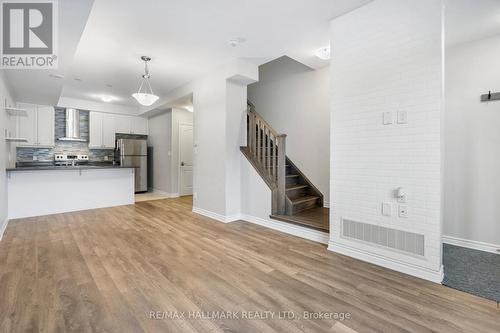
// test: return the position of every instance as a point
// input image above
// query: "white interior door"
(185, 159)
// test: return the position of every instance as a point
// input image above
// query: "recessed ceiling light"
(107, 98)
(77, 79)
(56, 76)
(323, 53)
(236, 41)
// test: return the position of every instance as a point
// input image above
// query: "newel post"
(281, 143)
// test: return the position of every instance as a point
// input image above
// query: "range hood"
(72, 126)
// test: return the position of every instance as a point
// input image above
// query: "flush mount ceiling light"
(107, 98)
(145, 98)
(236, 41)
(323, 53)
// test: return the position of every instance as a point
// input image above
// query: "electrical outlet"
(403, 211)
(195, 195)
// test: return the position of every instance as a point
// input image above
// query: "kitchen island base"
(44, 192)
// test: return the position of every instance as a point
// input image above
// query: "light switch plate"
(387, 118)
(386, 209)
(403, 211)
(402, 117)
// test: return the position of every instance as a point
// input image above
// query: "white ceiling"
(187, 38)
(468, 20)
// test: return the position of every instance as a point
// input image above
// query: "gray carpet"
(472, 271)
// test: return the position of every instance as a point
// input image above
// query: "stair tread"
(304, 199)
(296, 187)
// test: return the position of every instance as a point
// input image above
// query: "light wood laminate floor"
(107, 270)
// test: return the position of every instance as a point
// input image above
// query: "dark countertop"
(50, 166)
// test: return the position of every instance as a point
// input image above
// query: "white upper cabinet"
(104, 126)
(101, 131)
(26, 125)
(37, 126)
(108, 131)
(123, 124)
(95, 130)
(131, 125)
(45, 125)
(139, 125)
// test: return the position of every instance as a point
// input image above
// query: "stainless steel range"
(70, 159)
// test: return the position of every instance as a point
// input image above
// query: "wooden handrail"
(267, 148)
(252, 109)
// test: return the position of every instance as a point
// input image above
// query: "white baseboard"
(396, 265)
(326, 204)
(168, 195)
(292, 229)
(471, 244)
(3, 226)
(217, 216)
(307, 233)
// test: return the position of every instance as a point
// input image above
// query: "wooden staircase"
(294, 198)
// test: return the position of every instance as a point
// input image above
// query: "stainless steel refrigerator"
(134, 153)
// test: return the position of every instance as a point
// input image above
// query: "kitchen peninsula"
(43, 190)
(63, 161)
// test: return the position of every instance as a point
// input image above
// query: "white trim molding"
(471, 244)
(288, 228)
(326, 204)
(3, 227)
(217, 216)
(396, 265)
(292, 229)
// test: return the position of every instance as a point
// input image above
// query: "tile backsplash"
(26, 154)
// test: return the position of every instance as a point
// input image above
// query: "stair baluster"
(267, 148)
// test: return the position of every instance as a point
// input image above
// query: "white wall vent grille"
(408, 242)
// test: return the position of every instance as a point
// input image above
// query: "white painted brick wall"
(387, 56)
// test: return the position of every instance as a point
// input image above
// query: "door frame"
(179, 171)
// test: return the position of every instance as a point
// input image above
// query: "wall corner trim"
(3, 227)
(403, 267)
(472, 244)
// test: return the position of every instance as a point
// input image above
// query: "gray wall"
(294, 100)
(160, 133)
(472, 140)
(47, 154)
(164, 138)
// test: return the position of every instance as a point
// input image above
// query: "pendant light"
(145, 98)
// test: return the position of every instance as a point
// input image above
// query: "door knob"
(182, 163)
